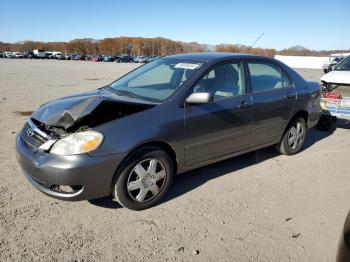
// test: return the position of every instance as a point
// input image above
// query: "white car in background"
(335, 96)
(39, 53)
(340, 75)
(140, 59)
(17, 54)
(58, 55)
(8, 55)
(334, 59)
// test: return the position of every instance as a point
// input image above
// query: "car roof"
(214, 56)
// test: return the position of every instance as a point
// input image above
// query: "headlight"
(77, 143)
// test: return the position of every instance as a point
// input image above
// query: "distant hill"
(297, 48)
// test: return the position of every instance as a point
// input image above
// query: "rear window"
(265, 76)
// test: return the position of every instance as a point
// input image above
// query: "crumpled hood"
(64, 112)
(337, 77)
(67, 111)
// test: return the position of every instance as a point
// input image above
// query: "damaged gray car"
(128, 139)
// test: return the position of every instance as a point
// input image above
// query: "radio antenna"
(256, 40)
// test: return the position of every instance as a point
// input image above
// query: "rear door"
(274, 97)
(222, 127)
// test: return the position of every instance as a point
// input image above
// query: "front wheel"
(293, 138)
(144, 179)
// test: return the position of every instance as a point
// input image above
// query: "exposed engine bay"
(80, 113)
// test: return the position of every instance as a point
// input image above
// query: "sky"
(317, 25)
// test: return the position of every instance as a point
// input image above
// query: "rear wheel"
(294, 137)
(144, 179)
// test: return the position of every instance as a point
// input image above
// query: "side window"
(265, 76)
(223, 81)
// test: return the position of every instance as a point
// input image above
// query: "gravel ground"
(257, 207)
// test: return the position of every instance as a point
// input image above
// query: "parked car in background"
(108, 58)
(17, 54)
(125, 59)
(340, 75)
(140, 59)
(97, 58)
(82, 57)
(60, 56)
(335, 99)
(49, 55)
(28, 54)
(7, 54)
(38, 53)
(67, 56)
(131, 137)
(75, 57)
(151, 58)
(116, 58)
(334, 59)
(88, 57)
(333, 64)
(56, 54)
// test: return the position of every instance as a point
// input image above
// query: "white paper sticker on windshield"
(186, 66)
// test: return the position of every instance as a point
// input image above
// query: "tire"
(293, 138)
(326, 123)
(144, 178)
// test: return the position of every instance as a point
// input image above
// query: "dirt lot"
(257, 207)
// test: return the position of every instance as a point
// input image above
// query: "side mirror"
(199, 98)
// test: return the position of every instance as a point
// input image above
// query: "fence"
(303, 61)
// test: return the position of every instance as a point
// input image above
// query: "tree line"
(110, 46)
(148, 47)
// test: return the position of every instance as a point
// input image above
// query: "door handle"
(290, 95)
(244, 105)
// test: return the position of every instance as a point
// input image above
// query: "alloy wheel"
(296, 136)
(146, 180)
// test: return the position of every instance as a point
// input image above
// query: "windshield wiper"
(104, 87)
(127, 93)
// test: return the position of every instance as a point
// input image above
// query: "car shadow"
(190, 180)
(343, 124)
(105, 202)
(314, 135)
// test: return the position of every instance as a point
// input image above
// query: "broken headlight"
(77, 143)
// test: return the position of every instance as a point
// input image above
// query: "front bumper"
(91, 177)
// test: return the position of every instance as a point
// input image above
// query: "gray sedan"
(128, 139)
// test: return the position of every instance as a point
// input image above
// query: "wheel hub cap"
(296, 136)
(146, 180)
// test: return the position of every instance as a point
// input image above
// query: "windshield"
(344, 65)
(157, 80)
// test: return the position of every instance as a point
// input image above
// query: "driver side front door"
(222, 127)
